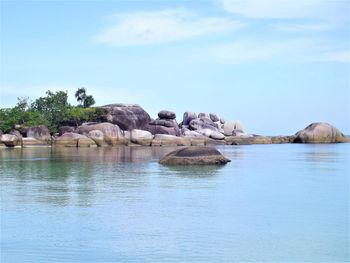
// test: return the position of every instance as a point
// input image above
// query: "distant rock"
(98, 137)
(214, 117)
(165, 114)
(63, 129)
(170, 140)
(188, 116)
(127, 116)
(202, 123)
(71, 139)
(230, 126)
(194, 155)
(320, 132)
(203, 115)
(40, 132)
(112, 133)
(237, 140)
(10, 140)
(165, 124)
(141, 137)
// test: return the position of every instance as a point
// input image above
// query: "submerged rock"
(320, 132)
(194, 155)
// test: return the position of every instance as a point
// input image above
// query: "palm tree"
(80, 94)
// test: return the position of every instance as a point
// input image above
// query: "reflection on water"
(120, 204)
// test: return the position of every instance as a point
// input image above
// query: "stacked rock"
(165, 124)
(205, 124)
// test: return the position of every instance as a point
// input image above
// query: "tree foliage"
(84, 100)
(52, 110)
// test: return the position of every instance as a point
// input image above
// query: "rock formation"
(194, 156)
(320, 132)
(165, 124)
(127, 116)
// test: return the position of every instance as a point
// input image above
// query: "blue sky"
(276, 65)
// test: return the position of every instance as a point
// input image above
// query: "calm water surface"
(271, 203)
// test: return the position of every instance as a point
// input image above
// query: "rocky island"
(130, 124)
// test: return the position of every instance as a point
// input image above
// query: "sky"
(275, 65)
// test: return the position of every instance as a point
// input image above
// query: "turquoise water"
(271, 203)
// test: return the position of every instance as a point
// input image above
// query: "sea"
(271, 203)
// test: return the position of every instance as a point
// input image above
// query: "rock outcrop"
(230, 126)
(165, 124)
(10, 140)
(320, 132)
(141, 137)
(63, 129)
(40, 132)
(127, 116)
(111, 133)
(170, 140)
(70, 139)
(194, 156)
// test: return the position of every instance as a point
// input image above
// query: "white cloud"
(143, 28)
(291, 50)
(287, 8)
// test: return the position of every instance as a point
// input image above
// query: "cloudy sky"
(276, 65)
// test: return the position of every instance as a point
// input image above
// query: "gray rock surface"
(165, 114)
(63, 129)
(127, 116)
(141, 137)
(230, 126)
(214, 117)
(112, 133)
(10, 140)
(71, 139)
(188, 116)
(40, 132)
(320, 132)
(194, 155)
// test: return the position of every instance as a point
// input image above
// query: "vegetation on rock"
(52, 110)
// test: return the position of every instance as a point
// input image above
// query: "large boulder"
(230, 126)
(141, 137)
(70, 139)
(214, 117)
(202, 123)
(320, 132)
(165, 114)
(63, 129)
(194, 155)
(211, 134)
(165, 124)
(32, 142)
(98, 137)
(10, 140)
(188, 116)
(40, 132)
(127, 116)
(112, 133)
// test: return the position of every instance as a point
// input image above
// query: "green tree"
(21, 114)
(89, 101)
(84, 100)
(52, 107)
(80, 95)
